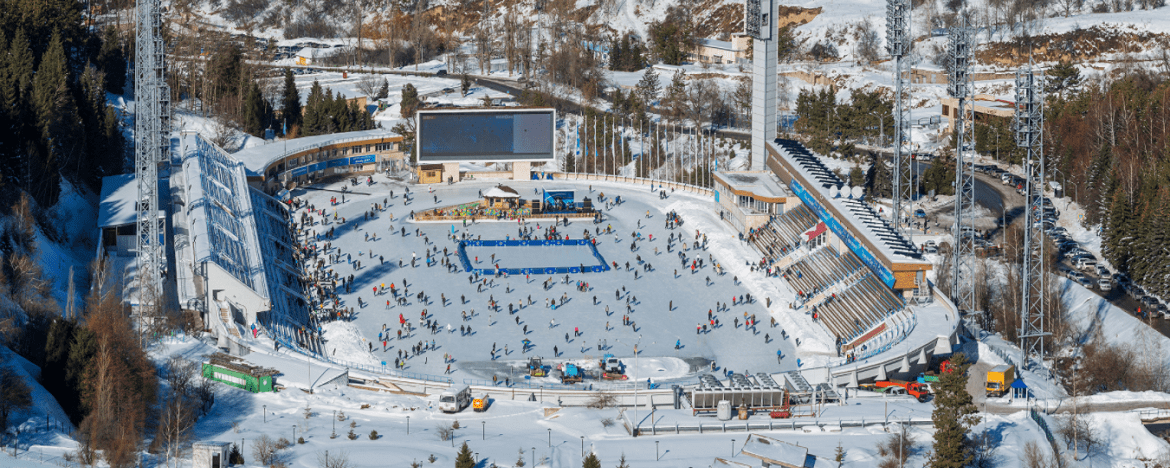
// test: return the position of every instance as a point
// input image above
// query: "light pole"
(550, 438)
(582, 446)
(534, 456)
(733, 447)
(542, 393)
(265, 413)
(656, 456)
(294, 432)
(408, 425)
(483, 425)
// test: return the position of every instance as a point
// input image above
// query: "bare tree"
(179, 410)
(340, 459)
(445, 432)
(868, 42)
(484, 39)
(368, 85)
(1035, 456)
(420, 32)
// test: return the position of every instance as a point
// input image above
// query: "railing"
(377, 370)
(585, 386)
(904, 330)
(665, 184)
(770, 425)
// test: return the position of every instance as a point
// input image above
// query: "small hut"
(501, 196)
(210, 454)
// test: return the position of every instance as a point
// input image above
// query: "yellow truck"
(999, 380)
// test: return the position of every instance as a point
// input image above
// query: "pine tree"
(1118, 232)
(622, 461)
(290, 101)
(464, 85)
(648, 87)
(254, 115)
(21, 61)
(56, 114)
(591, 461)
(839, 455)
(384, 91)
(112, 61)
(954, 415)
(314, 121)
(410, 103)
(464, 459)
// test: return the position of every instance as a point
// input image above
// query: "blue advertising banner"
(317, 167)
(855, 245)
(364, 159)
(337, 162)
(300, 171)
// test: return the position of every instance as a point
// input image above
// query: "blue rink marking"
(600, 267)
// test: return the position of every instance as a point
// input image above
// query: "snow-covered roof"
(862, 219)
(220, 214)
(721, 463)
(119, 197)
(775, 451)
(717, 44)
(257, 158)
(761, 184)
(501, 191)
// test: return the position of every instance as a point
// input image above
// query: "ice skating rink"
(650, 300)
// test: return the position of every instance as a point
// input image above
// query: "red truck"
(915, 389)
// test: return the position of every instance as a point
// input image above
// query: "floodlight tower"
(898, 43)
(960, 43)
(760, 24)
(151, 142)
(1029, 127)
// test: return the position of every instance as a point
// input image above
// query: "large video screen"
(453, 135)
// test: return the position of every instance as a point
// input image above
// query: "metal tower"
(898, 43)
(151, 125)
(760, 23)
(1029, 127)
(960, 44)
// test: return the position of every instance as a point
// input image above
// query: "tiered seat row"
(821, 270)
(286, 289)
(782, 234)
(858, 308)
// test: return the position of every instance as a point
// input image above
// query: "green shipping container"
(251, 383)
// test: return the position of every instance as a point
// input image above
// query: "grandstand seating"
(284, 284)
(780, 236)
(843, 293)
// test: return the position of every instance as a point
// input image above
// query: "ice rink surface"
(533, 256)
(665, 304)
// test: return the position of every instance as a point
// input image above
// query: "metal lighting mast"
(760, 24)
(898, 43)
(151, 125)
(1029, 127)
(961, 42)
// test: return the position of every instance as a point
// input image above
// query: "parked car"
(1105, 284)
(920, 213)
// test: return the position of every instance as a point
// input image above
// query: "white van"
(455, 399)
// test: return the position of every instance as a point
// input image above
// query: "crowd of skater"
(419, 315)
